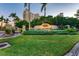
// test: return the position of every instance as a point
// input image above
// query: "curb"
(11, 36)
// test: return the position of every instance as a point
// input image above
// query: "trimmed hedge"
(52, 32)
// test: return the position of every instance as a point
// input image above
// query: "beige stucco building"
(3, 24)
(32, 15)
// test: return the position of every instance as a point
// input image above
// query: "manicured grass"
(52, 45)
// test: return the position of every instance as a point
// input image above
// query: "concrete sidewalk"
(74, 51)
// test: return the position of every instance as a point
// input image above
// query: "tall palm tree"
(44, 8)
(28, 6)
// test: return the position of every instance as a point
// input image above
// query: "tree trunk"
(29, 15)
(45, 11)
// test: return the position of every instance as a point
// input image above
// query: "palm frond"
(12, 15)
(1, 18)
(43, 6)
(25, 4)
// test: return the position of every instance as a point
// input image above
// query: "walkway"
(74, 51)
(2, 35)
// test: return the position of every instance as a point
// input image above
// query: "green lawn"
(26, 45)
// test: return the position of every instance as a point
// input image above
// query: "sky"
(69, 9)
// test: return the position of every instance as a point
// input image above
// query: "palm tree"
(6, 20)
(77, 14)
(28, 5)
(15, 18)
(13, 15)
(1, 19)
(44, 8)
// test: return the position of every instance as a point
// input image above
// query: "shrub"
(46, 32)
(71, 30)
(8, 31)
(13, 31)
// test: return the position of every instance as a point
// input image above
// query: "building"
(45, 26)
(32, 15)
(3, 24)
(61, 14)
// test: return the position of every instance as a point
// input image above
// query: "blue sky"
(69, 9)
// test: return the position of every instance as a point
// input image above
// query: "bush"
(8, 31)
(71, 30)
(13, 31)
(46, 32)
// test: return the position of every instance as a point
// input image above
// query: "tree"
(6, 21)
(15, 18)
(77, 14)
(36, 22)
(44, 8)
(46, 19)
(28, 5)
(42, 19)
(50, 20)
(21, 23)
(1, 19)
(73, 22)
(61, 22)
(13, 15)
